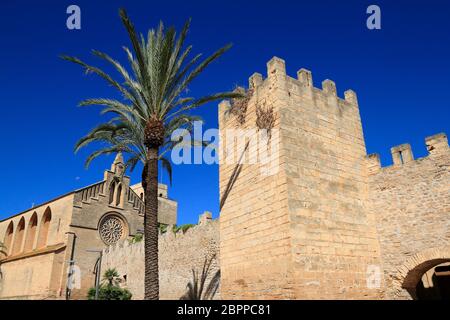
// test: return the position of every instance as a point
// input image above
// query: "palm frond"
(158, 70)
(167, 166)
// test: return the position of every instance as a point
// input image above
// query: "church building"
(68, 233)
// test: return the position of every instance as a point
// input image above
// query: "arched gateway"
(425, 275)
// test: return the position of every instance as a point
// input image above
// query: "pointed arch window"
(18, 239)
(119, 194)
(112, 189)
(43, 230)
(9, 238)
(31, 233)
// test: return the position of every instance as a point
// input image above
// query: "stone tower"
(304, 229)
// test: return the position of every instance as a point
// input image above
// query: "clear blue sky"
(400, 73)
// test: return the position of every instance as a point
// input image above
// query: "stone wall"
(178, 254)
(255, 242)
(302, 231)
(37, 277)
(33, 268)
(93, 204)
(411, 200)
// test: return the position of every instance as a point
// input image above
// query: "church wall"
(178, 255)
(86, 239)
(31, 280)
(167, 208)
(411, 200)
(92, 204)
(37, 273)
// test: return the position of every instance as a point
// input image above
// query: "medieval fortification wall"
(411, 200)
(178, 254)
(322, 218)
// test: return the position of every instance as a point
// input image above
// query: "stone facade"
(411, 200)
(178, 254)
(41, 241)
(320, 224)
(302, 232)
(45, 255)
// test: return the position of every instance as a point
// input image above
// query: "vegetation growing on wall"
(265, 119)
(185, 227)
(238, 106)
(138, 237)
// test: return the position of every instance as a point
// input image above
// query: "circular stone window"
(111, 229)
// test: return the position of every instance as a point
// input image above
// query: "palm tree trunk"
(151, 225)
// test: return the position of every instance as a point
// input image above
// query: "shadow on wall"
(197, 288)
(236, 171)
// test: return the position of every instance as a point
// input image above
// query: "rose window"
(111, 230)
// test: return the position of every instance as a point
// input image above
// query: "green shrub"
(163, 227)
(138, 237)
(108, 292)
(110, 289)
(184, 227)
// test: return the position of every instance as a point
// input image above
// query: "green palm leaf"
(152, 83)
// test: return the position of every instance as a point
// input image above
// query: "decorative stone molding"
(112, 229)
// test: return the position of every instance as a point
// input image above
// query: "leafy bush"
(184, 227)
(138, 237)
(163, 227)
(107, 292)
(110, 289)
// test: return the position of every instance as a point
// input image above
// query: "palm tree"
(111, 277)
(110, 288)
(155, 105)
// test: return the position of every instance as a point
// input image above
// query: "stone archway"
(412, 270)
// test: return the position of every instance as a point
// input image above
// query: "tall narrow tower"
(302, 229)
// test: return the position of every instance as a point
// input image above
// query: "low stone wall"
(178, 254)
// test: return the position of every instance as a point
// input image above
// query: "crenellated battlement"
(277, 78)
(205, 222)
(277, 92)
(437, 145)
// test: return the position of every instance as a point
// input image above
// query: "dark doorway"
(435, 284)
